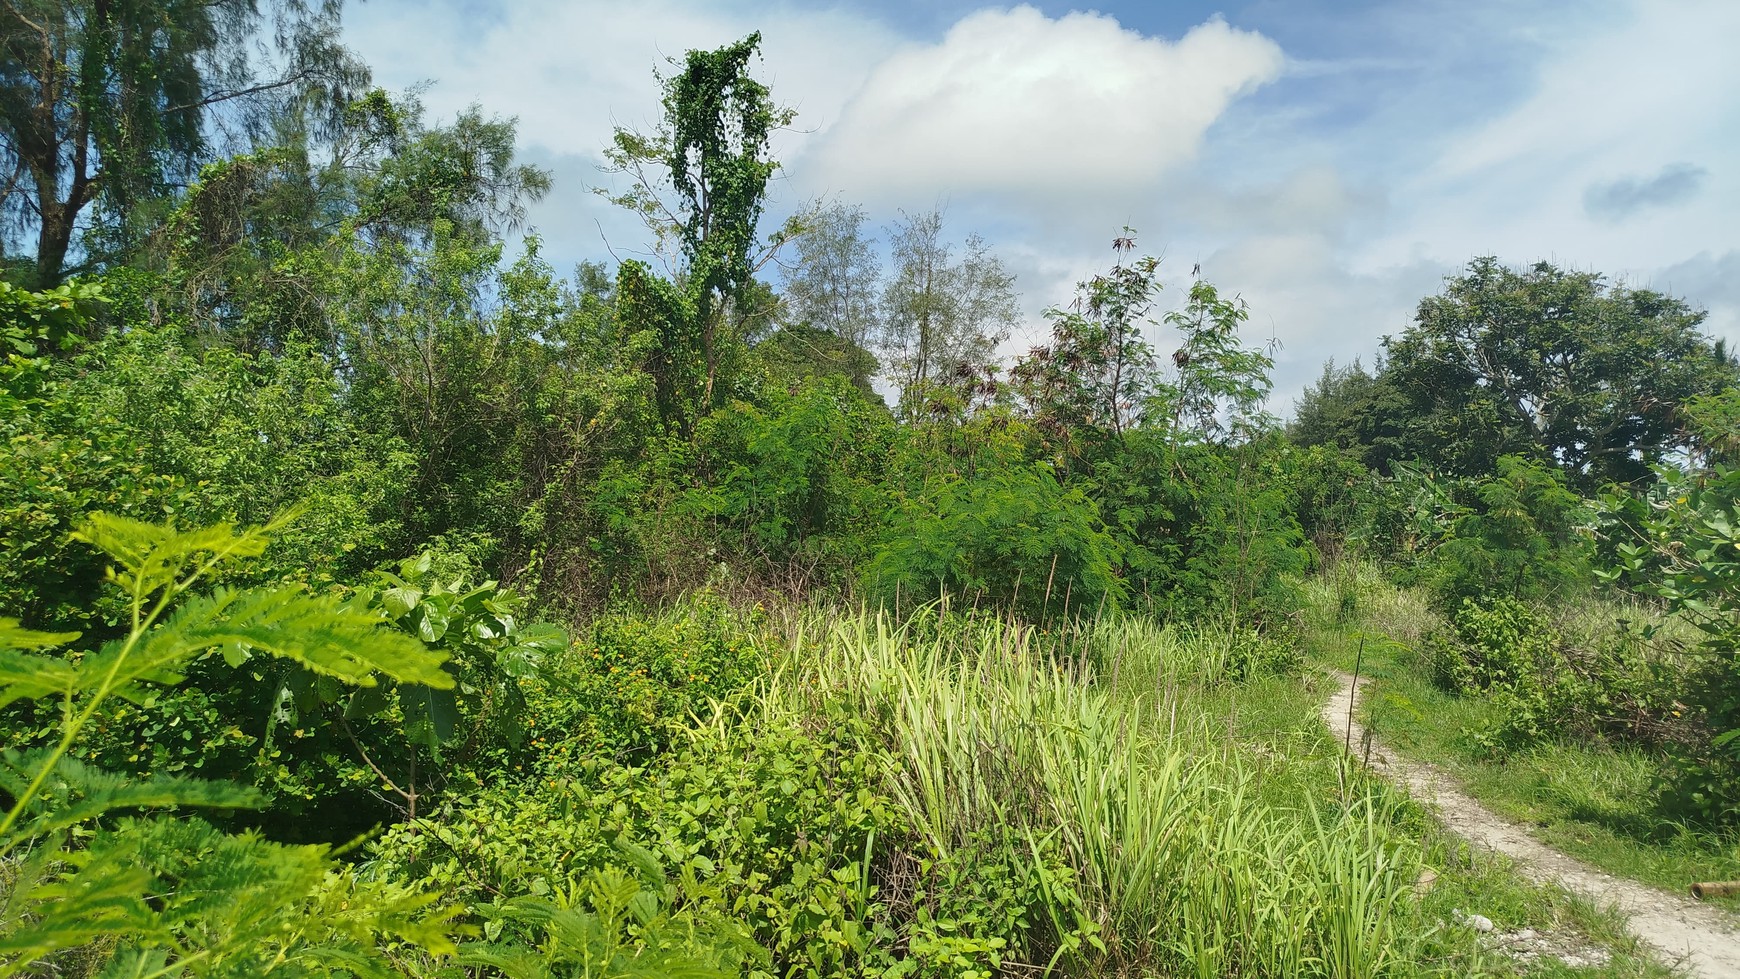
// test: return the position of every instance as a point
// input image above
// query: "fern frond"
(136, 963)
(153, 556)
(25, 675)
(511, 961)
(61, 900)
(14, 636)
(321, 632)
(29, 676)
(76, 792)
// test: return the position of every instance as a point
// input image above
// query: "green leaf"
(78, 792)
(368, 701)
(431, 714)
(15, 636)
(24, 676)
(430, 622)
(156, 555)
(400, 600)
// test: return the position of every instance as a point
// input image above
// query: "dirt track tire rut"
(1705, 940)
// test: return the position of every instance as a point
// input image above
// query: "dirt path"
(1703, 938)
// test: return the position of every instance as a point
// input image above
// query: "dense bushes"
(632, 683)
(1686, 551)
(1549, 683)
(938, 799)
(1013, 538)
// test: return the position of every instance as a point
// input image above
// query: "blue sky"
(1328, 160)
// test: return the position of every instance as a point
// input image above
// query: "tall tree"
(1556, 365)
(1219, 386)
(941, 315)
(1099, 369)
(108, 104)
(832, 281)
(248, 242)
(1355, 411)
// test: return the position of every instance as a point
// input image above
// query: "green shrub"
(1013, 538)
(1500, 645)
(1548, 683)
(1687, 552)
(628, 688)
(789, 833)
(325, 755)
(614, 925)
(1519, 539)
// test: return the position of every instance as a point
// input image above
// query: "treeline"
(1539, 448)
(332, 326)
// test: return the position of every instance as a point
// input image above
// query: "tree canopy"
(1558, 366)
(106, 105)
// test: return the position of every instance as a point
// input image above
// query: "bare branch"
(241, 93)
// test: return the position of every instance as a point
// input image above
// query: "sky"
(1329, 161)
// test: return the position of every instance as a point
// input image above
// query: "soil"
(1703, 940)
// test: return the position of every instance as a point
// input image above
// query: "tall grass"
(1185, 858)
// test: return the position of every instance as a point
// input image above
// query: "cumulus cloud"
(1015, 103)
(572, 71)
(1619, 199)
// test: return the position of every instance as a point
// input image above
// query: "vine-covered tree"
(247, 239)
(700, 181)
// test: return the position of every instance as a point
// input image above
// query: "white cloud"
(1014, 103)
(574, 70)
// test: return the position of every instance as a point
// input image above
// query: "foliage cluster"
(1548, 685)
(156, 893)
(1687, 553)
